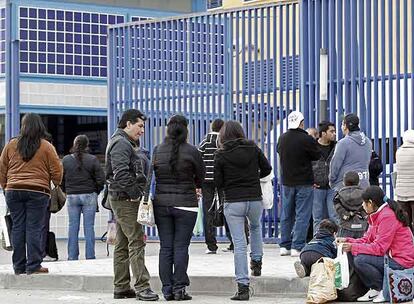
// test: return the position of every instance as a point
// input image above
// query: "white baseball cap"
(294, 119)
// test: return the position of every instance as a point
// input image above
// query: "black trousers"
(45, 230)
(209, 190)
(308, 258)
(175, 229)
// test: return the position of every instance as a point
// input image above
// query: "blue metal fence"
(244, 64)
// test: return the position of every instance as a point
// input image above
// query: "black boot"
(242, 293)
(256, 268)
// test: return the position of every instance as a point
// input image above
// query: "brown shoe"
(41, 270)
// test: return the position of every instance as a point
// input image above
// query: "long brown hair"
(230, 131)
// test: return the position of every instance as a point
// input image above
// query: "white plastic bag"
(267, 190)
(111, 234)
(341, 269)
(146, 212)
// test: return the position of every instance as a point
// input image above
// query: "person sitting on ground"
(348, 206)
(322, 245)
(388, 234)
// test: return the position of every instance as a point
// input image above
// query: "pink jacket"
(386, 235)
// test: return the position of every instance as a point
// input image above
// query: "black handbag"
(6, 233)
(217, 213)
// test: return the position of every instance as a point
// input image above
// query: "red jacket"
(386, 234)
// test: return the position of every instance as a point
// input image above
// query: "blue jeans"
(370, 269)
(27, 210)
(323, 207)
(236, 214)
(77, 204)
(295, 216)
(175, 229)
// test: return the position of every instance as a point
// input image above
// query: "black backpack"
(51, 248)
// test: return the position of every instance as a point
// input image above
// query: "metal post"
(323, 84)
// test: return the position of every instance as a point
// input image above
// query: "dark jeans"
(27, 210)
(175, 229)
(370, 269)
(45, 230)
(308, 258)
(209, 190)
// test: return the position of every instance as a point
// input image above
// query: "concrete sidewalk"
(209, 274)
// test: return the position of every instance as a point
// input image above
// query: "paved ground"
(52, 297)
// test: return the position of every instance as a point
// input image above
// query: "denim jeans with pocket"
(27, 210)
(323, 207)
(295, 216)
(236, 213)
(81, 204)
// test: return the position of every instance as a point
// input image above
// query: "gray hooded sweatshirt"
(352, 153)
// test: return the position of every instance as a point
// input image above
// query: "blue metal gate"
(244, 64)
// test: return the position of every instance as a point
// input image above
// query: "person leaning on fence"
(348, 206)
(179, 173)
(322, 245)
(126, 181)
(83, 180)
(388, 234)
(238, 166)
(28, 164)
(404, 189)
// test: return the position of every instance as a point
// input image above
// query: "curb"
(199, 284)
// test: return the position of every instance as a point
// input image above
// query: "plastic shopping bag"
(322, 282)
(111, 234)
(267, 191)
(198, 227)
(146, 212)
(341, 269)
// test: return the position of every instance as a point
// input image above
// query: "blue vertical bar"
(361, 85)
(157, 59)
(282, 85)
(210, 71)
(128, 69)
(390, 90)
(340, 82)
(398, 82)
(185, 62)
(135, 66)
(317, 46)
(163, 76)
(192, 81)
(175, 43)
(112, 113)
(237, 55)
(262, 83)
(214, 83)
(169, 67)
(331, 61)
(304, 55)
(276, 104)
(120, 71)
(405, 39)
(141, 65)
(147, 80)
(152, 80)
(376, 74)
(347, 54)
(368, 57)
(354, 56)
(227, 42)
(199, 39)
(256, 83)
(288, 57)
(383, 91)
(249, 73)
(246, 76)
(295, 85)
(311, 23)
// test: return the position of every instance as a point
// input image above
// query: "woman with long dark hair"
(28, 164)
(238, 166)
(388, 234)
(83, 180)
(179, 172)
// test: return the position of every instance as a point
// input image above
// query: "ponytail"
(399, 213)
(177, 133)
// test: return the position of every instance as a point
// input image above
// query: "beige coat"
(405, 168)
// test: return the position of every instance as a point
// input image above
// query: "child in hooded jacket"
(348, 206)
(322, 245)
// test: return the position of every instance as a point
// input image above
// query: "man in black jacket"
(297, 150)
(125, 175)
(323, 195)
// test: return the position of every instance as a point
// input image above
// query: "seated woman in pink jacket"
(388, 234)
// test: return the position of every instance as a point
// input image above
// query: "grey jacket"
(352, 153)
(126, 166)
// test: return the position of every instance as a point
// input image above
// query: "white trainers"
(300, 269)
(284, 251)
(380, 298)
(369, 296)
(294, 253)
(208, 251)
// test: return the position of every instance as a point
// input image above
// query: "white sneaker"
(294, 253)
(208, 251)
(284, 251)
(49, 259)
(300, 269)
(369, 296)
(380, 298)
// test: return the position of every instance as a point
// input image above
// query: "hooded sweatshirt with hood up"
(238, 167)
(352, 153)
